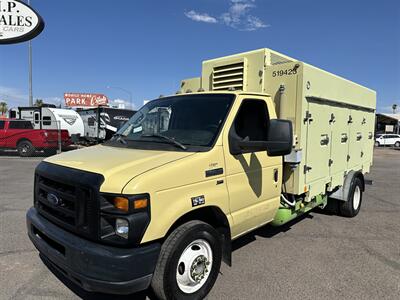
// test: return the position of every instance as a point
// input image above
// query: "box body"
(333, 118)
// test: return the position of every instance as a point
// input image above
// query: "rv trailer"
(50, 117)
(102, 123)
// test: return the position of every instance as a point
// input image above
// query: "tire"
(172, 278)
(25, 148)
(377, 144)
(397, 144)
(351, 207)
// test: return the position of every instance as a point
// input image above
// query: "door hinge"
(306, 169)
(348, 157)
(330, 162)
(308, 117)
(350, 120)
(333, 119)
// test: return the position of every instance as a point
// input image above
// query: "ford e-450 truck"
(259, 138)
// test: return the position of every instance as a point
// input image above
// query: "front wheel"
(189, 262)
(377, 144)
(397, 144)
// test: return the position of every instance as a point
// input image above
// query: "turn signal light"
(140, 203)
(121, 203)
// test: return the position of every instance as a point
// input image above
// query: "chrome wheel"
(356, 197)
(194, 266)
(24, 148)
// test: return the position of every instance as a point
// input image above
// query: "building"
(387, 123)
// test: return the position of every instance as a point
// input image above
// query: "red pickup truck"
(20, 135)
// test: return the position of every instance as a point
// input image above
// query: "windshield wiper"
(120, 138)
(170, 140)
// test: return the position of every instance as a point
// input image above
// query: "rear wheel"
(25, 148)
(351, 207)
(189, 262)
(397, 144)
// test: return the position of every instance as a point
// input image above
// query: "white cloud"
(238, 16)
(254, 23)
(121, 103)
(198, 17)
(15, 97)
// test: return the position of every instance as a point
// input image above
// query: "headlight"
(123, 218)
(122, 228)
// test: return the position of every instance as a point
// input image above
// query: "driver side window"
(252, 120)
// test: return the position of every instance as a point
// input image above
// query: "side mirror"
(278, 143)
(280, 137)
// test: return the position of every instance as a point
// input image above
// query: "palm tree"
(394, 107)
(3, 108)
(38, 103)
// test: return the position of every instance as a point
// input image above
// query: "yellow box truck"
(259, 138)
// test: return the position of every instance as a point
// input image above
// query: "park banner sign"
(85, 100)
(18, 22)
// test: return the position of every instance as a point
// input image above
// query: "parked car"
(20, 135)
(388, 140)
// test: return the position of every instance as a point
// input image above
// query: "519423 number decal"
(284, 72)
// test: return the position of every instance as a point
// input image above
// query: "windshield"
(189, 120)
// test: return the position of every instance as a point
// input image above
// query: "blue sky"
(147, 47)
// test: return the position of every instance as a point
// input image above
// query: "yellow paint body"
(249, 195)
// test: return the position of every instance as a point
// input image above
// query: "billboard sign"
(18, 22)
(85, 99)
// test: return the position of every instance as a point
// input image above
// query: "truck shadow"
(266, 231)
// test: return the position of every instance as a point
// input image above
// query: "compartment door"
(340, 139)
(318, 142)
(356, 140)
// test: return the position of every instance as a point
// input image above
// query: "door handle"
(324, 140)
(276, 175)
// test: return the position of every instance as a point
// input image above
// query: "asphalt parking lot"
(321, 256)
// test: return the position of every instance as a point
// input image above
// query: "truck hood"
(117, 165)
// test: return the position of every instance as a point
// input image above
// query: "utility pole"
(30, 69)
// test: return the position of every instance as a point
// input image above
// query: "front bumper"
(94, 267)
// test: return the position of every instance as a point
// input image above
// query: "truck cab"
(210, 158)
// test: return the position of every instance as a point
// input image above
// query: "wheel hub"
(199, 268)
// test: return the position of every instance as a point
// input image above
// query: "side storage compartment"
(356, 141)
(318, 142)
(340, 143)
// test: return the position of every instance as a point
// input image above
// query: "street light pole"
(124, 90)
(30, 69)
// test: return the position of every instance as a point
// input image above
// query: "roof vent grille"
(228, 76)
(278, 59)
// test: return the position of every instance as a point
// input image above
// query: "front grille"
(68, 198)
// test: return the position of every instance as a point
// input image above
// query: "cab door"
(253, 179)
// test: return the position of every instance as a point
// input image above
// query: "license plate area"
(50, 242)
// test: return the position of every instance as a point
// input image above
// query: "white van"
(388, 140)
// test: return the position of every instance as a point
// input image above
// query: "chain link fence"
(39, 138)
